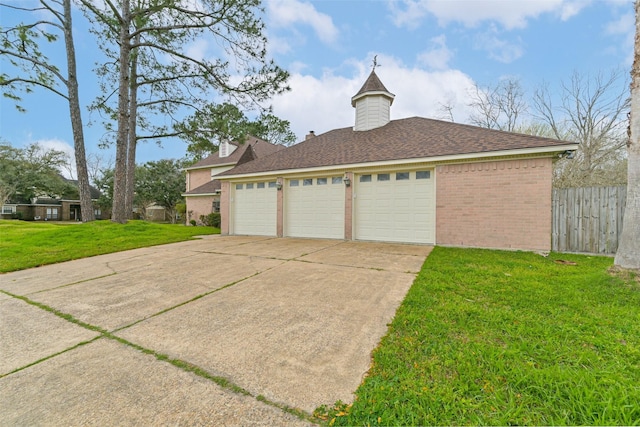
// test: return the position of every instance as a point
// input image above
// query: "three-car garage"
(394, 206)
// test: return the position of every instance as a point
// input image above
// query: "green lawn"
(30, 244)
(506, 338)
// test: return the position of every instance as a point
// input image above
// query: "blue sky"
(430, 52)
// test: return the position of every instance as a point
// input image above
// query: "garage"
(314, 207)
(255, 208)
(395, 207)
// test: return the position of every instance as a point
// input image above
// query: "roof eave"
(215, 165)
(217, 193)
(542, 151)
(372, 93)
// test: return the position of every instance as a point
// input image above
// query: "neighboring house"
(62, 208)
(412, 180)
(153, 212)
(203, 191)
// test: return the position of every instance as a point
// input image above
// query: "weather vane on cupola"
(375, 62)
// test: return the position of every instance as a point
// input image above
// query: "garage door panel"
(315, 210)
(402, 204)
(255, 209)
(397, 210)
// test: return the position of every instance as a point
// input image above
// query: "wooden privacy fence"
(587, 219)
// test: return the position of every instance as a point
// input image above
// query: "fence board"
(587, 219)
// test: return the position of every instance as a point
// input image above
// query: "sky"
(430, 54)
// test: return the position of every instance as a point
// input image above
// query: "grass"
(506, 338)
(31, 244)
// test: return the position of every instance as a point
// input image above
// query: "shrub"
(192, 222)
(211, 220)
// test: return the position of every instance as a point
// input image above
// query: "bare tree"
(498, 107)
(445, 111)
(19, 46)
(97, 163)
(591, 110)
(628, 254)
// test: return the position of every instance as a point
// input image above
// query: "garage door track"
(220, 331)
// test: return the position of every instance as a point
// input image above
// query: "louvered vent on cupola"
(373, 104)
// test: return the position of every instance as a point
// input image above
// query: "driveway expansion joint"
(177, 363)
(73, 283)
(197, 297)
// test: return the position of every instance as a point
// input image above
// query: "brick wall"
(499, 204)
(197, 178)
(280, 207)
(200, 205)
(348, 208)
(225, 211)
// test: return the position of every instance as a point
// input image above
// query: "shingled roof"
(410, 138)
(372, 84)
(260, 146)
(206, 188)
(249, 151)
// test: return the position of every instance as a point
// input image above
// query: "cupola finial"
(375, 62)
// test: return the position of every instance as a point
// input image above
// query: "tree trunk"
(86, 205)
(119, 213)
(133, 119)
(628, 254)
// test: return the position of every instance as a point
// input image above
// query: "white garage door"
(314, 207)
(255, 208)
(395, 207)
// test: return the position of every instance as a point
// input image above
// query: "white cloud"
(438, 56)
(498, 48)
(70, 170)
(571, 9)
(197, 49)
(409, 14)
(322, 104)
(288, 13)
(510, 14)
(624, 25)
(622, 29)
(278, 45)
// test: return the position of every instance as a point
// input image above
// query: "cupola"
(372, 103)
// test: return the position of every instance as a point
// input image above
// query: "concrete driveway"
(220, 331)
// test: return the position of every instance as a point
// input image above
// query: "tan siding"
(501, 204)
(219, 169)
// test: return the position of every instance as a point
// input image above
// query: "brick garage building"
(412, 180)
